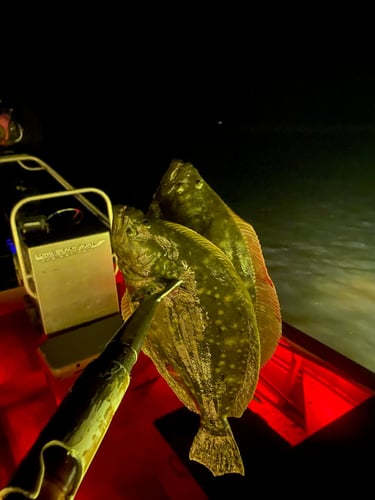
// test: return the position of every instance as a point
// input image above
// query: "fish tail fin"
(220, 454)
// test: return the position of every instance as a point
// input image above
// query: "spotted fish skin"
(183, 196)
(203, 338)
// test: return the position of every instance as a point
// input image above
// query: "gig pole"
(58, 461)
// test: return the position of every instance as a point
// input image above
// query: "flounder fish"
(203, 338)
(183, 196)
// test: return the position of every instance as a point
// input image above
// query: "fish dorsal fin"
(267, 306)
(251, 238)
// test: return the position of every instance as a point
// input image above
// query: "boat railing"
(33, 163)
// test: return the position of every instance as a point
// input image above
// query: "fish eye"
(199, 183)
(130, 231)
(146, 223)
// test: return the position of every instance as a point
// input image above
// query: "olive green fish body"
(184, 197)
(203, 338)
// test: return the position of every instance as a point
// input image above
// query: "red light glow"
(298, 394)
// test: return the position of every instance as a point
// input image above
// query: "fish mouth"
(118, 212)
(120, 221)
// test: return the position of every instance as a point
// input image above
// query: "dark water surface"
(311, 198)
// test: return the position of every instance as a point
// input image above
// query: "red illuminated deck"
(298, 394)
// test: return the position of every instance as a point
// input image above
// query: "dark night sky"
(129, 102)
(254, 81)
(308, 81)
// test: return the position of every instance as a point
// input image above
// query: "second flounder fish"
(183, 196)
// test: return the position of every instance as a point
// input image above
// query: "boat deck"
(301, 410)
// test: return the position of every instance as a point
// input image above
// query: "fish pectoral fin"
(220, 454)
